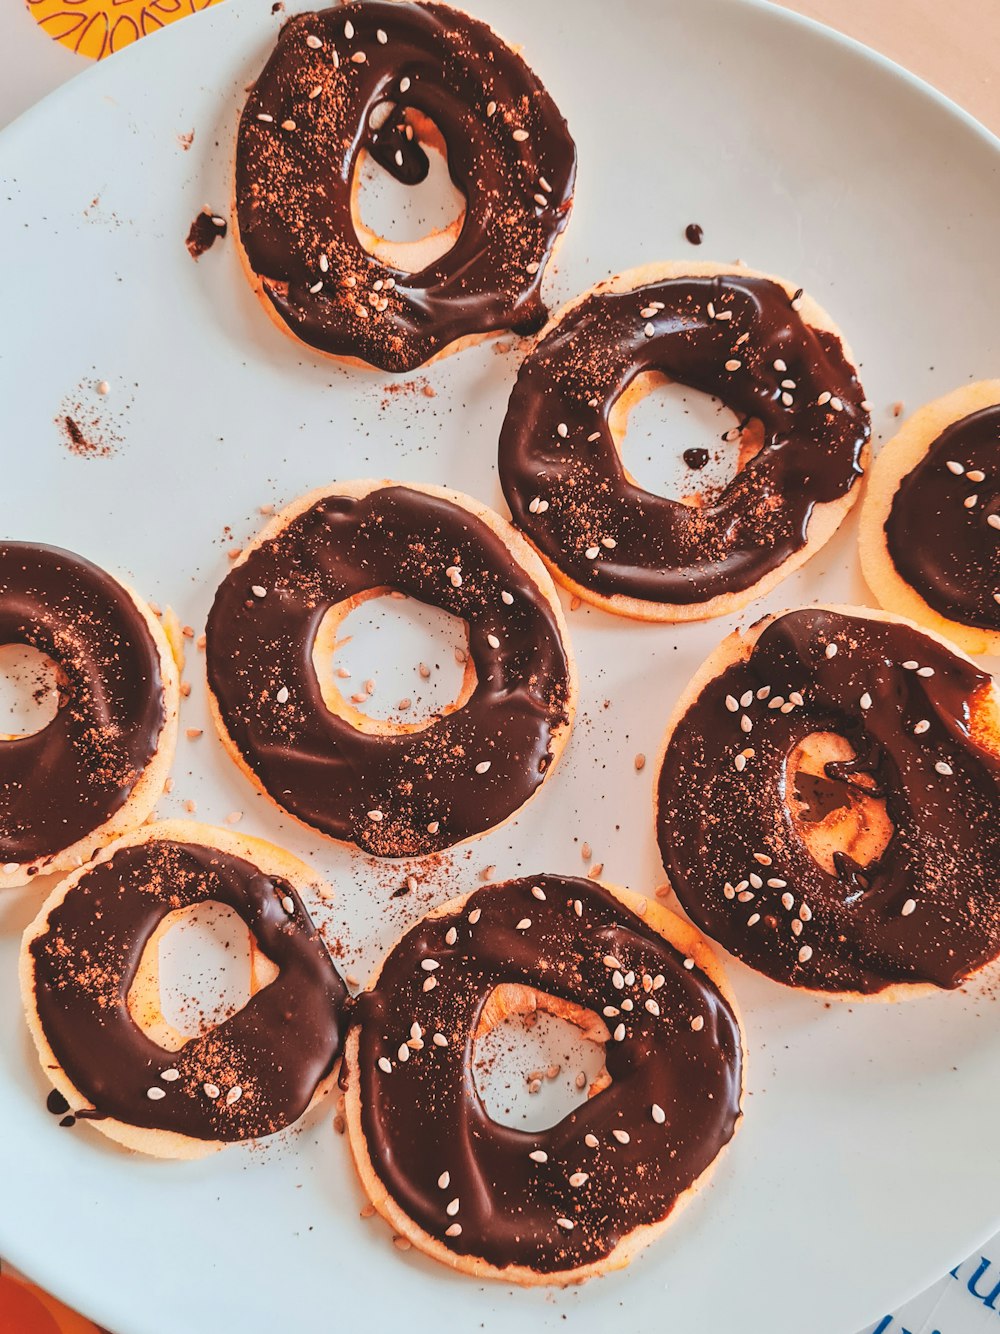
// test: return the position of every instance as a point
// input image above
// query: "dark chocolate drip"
(276, 1050)
(425, 1117)
(294, 174)
(556, 442)
(694, 233)
(422, 786)
(944, 854)
(60, 784)
(947, 551)
(396, 151)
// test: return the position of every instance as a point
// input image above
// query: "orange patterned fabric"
(98, 28)
(25, 1309)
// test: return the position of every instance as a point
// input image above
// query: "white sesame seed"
(697, 1023)
(234, 1095)
(211, 1091)
(288, 904)
(617, 980)
(155, 1094)
(753, 919)
(831, 650)
(763, 858)
(491, 109)
(523, 924)
(578, 907)
(611, 1012)
(452, 1207)
(776, 883)
(824, 398)
(453, 1230)
(745, 895)
(475, 915)
(788, 384)
(591, 1141)
(385, 1065)
(610, 961)
(376, 816)
(579, 1179)
(925, 671)
(970, 502)
(740, 762)
(566, 1224)
(288, 125)
(954, 467)
(976, 475)
(746, 699)
(733, 364)
(258, 591)
(910, 665)
(622, 1136)
(908, 907)
(787, 901)
(796, 927)
(648, 330)
(538, 893)
(169, 1076)
(732, 704)
(444, 1180)
(779, 365)
(562, 430)
(434, 826)
(619, 1033)
(314, 42)
(381, 36)
(439, 1040)
(451, 935)
(728, 890)
(430, 983)
(627, 1005)
(921, 727)
(429, 965)
(993, 520)
(404, 1052)
(776, 702)
(786, 399)
(538, 1156)
(519, 136)
(404, 85)
(805, 912)
(540, 200)
(746, 724)
(805, 954)
(506, 598)
(943, 768)
(316, 287)
(866, 700)
(755, 880)
(263, 116)
(483, 767)
(493, 641)
(592, 553)
(282, 695)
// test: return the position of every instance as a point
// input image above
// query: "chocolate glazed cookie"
(373, 78)
(758, 344)
(930, 523)
(249, 1076)
(394, 789)
(564, 1203)
(97, 768)
(828, 804)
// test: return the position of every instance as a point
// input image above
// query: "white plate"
(867, 1155)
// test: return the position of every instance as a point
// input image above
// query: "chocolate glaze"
(62, 783)
(204, 232)
(944, 853)
(294, 185)
(949, 553)
(426, 1116)
(319, 766)
(663, 550)
(277, 1049)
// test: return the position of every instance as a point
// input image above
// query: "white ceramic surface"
(867, 1162)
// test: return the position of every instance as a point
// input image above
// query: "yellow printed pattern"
(99, 28)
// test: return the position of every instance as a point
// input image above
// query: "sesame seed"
(733, 364)
(805, 912)
(745, 895)
(866, 700)
(452, 1207)
(282, 695)
(430, 983)
(796, 698)
(169, 1076)
(258, 591)
(404, 85)
(538, 893)
(786, 399)
(475, 915)
(592, 553)
(483, 766)
(578, 907)
(837, 404)
(921, 727)
(263, 116)
(619, 1033)
(523, 924)
(315, 92)
(429, 965)
(579, 1178)
(288, 125)
(944, 769)
(381, 36)
(566, 1224)
(831, 650)
(491, 108)
(954, 467)
(970, 502)
(993, 520)
(591, 1141)
(925, 671)
(439, 1040)
(910, 665)
(740, 762)
(745, 724)
(519, 136)
(155, 1094)
(444, 1180)
(617, 980)
(753, 919)
(651, 1004)
(385, 1065)
(376, 816)
(755, 880)
(776, 702)
(316, 287)
(796, 927)
(288, 904)
(697, 1023)
(506, 598)
(732, 704)
(787, 901)
(776, 883)
(314, 42)
(211, 1091)
(763, 858)
(611, 1012)
(453, 1230)
(404, 1052)
(779, 365)
(805, 954)
(234, 1095)
(622, 1136)
(434, 826)
(908, 907)
(538, 1156)
(824, 398)
(532, 267)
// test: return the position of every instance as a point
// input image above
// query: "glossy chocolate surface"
(679, 1048)
(340, 84)
(928, 908)
(408, 793)
(60, 784)
(563, 476)
(275, 1051)
(945, 548)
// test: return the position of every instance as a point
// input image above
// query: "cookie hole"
(407, 215)
(525, 1033)
(409, 662)
(833, 814)
(199, 968)
(671, 441)
(29, 691)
